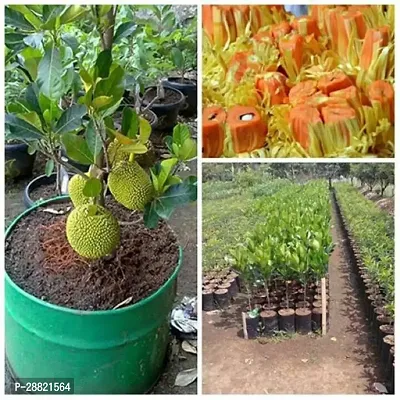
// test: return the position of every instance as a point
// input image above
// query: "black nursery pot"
(35, 183)
(269, 319)
(222, 298)
(303, 321)
(252, 326)
(287, 320)
(23, 161)
(208, 300)
(167, 113)
(189, 89)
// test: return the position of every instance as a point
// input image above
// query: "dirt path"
(342, 362)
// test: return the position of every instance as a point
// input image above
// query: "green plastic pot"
(106, 352)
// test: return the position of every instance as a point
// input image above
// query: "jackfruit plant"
(293, 241)
(110, 155)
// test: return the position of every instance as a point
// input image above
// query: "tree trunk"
(108, 34)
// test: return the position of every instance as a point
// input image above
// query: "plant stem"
(267, 293)
(287, 294)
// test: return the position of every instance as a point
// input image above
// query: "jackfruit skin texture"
(115, 155)
(92, 236)
(130, 185)
(75, 190)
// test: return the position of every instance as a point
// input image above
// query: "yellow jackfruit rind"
(92, 236)
(130, 185)
(75, 190)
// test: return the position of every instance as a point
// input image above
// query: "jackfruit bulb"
(75, 190)
(130, 185)
(92, 231)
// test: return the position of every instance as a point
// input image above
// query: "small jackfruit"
(75, 190)
(92, 231)
(130, 185)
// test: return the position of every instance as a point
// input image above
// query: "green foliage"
(373, 231)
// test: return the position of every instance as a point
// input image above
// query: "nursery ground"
(185, 225)
(342, 362)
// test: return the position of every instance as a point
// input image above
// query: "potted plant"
(105, 264)
(165, 102)
(241, 260)
(185, 85)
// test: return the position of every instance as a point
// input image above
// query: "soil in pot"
(189, 89)
(40, 261)
(287, 320)
(166, 109)
(222, 298)
(43, 192)
(208, 300)
(303, 321)
(269, 319)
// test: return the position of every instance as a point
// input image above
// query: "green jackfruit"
(130, 185)
(75, 190)
(92, 231)
(116, 155)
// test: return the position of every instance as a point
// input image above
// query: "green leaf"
(175, 196)
(49, 78)
(103, 64)
(101, 101)
(145, 130)
(177, 58)
(17, 20)
(113, 85)
(15, 41)
(21, 130)
(166, 169)
(32, 59)
(71, 119)
(125, 29)
(49, 167)
(77, 149)
(92, 188)
(50, 14)
(34, 40)
(72, 13)
(150, 215)
(93, 140)
(28, 14)
(180, 134)
(32, 118)
(71, 41)
(130, 123)
(188, 150)
(136, 148)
